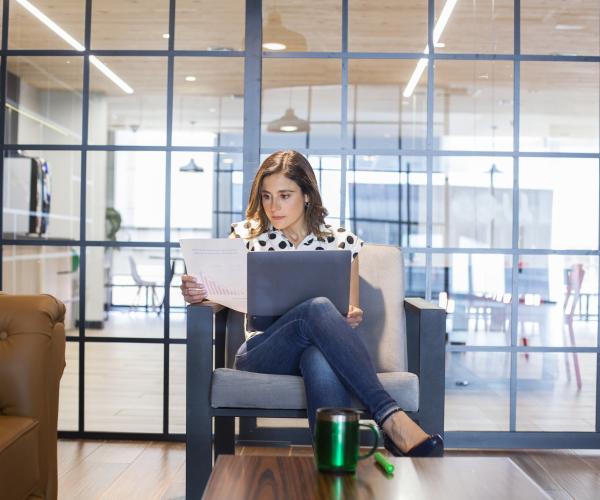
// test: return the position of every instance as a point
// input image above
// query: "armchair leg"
(247, 425)
(199, 366)
(199, 456)
(224, 436)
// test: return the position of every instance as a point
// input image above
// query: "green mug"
(337, 439)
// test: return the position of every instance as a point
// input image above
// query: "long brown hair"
(296, 168)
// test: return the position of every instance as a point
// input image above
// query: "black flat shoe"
(432, 446)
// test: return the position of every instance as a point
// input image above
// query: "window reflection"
(123, 387)
(387, 199)
(206, 200)
(472, 202)
(210, 25)
(130, 24)
(478, 381)
(125, 291)
(475, 291)
(41, 194)
(301, 103)
(414, 274)
(556, 392)
(482, 26)
(289, 26)
(566, 28)
(558, 205)
(68, 410)
(29, 30)
(546, 126)
(474, 105)
(129, 106)
(125, 196)
(44, 100)
(380, 113)
(29, 269)
(177, 377)
(558, 300)
(386, 26)
(208, 103)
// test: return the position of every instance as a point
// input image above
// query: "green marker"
(383, 462)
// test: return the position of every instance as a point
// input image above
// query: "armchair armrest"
(205, 321)
(425, 343)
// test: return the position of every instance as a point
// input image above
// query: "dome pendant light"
(191, 166)
(289, 122)
(277, 37)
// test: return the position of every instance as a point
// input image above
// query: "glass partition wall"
(465, 132)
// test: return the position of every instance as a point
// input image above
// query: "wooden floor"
(150, 470)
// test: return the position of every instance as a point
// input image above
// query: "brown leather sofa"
(32, 360)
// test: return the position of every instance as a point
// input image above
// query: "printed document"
(221, 265)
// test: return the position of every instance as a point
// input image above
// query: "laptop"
(278, 281)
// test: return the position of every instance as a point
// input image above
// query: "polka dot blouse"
(274, 239)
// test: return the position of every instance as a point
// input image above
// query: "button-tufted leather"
(32, 360)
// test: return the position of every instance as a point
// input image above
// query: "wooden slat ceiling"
(475, 26)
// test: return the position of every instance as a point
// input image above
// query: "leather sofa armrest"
(32, 360)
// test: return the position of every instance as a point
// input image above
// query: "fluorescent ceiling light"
(75, 44)
(274, 46)
(52, 25)
(415, 77)
(568, 27)
(190, 78)
(165, 36)
(437, 33)
(111, 75)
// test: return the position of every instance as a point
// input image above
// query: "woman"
(313, 339)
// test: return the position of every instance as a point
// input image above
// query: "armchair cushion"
(240, 389)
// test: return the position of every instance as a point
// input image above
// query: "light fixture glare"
(51, 24)
(75, 44)
(111, 75)
(437, 33)
(274, 46)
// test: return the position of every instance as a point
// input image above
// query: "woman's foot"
(402, 436)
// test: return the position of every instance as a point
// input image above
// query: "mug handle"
(375, 435)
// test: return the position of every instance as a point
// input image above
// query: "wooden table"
(286, 478)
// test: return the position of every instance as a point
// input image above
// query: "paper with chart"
(221, 265)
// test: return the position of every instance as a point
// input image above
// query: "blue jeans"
(314, 340)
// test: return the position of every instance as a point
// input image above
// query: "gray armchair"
(405, 338)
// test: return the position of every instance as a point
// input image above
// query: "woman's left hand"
(355, 316)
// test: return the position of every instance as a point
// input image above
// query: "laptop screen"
(278, 281)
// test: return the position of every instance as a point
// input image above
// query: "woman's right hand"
(192, 291)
